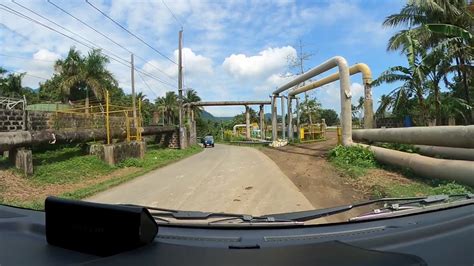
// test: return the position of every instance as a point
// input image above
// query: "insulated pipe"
(457, 170)
(247, 122)
(222, 103)
(283, 126)
(447, 152)
(366, 80)
(298, 118)
(234, 128)
(274, 118)
(446, 136)
(346, 116)
(290, 119)
(262, 122)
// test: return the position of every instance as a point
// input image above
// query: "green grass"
(77, 168)
(353, 161)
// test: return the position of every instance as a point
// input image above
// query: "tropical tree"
(168, 105)
(443, 28)
(86, 74)
(310, 110)
(190, 97)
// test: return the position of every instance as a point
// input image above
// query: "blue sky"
(234, 50)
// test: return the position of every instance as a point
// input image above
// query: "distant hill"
(208, 116)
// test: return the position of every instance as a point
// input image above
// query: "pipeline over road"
(10, 140)
(223, 103)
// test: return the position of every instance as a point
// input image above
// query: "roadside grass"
(359, 164)
(69, 166)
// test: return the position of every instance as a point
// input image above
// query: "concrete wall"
(168, 139)
(117, 152)
(12, 120)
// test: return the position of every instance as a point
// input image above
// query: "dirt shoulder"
(306, 165)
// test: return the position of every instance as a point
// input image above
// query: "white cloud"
(47, 55)
(268, 62)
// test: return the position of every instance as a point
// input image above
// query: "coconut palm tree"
(190, 97)
(168, 105)
(85, 73)
(443, 26)
(412, 77)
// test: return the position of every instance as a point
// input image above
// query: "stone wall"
(117, 152)
(11, 120)
(168, 139)
(14, 120)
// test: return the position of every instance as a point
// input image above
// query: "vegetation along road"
(221, 179)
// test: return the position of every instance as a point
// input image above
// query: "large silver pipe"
(283, 126)
(297, 118)
(366, 80)
(247, 122)
(446, 136)
(290, 119)
(262, 122)
(341, 63)
(223, 103)
(446, 152)
(274, 118)
(457, 170)
(234, 128)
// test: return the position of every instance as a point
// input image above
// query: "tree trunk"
(437, 104)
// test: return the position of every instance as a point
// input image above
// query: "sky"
(233, 50)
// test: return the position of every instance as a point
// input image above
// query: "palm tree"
(413, 77)
(89, 73)
(440, 25)
(190, 97)
(169, 106)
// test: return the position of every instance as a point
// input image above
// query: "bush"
(451, 188)
(353, 160)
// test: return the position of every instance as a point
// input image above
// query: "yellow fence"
(312, 132)
(101, 114)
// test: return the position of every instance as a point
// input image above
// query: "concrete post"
(247, 121)
(298, 118)
(274, 118)
(23, 160)
(262, 122)
(283, 127)
(290, 120)
(368, 106)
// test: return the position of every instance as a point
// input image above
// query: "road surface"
(221, 179)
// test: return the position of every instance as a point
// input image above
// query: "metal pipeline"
(234, 129)
(366, 80)
(343, 68)
(446, 136)
(446, 152)
(457, 170)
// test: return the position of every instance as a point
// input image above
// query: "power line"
(19, 14)
(25, 73)
(105, 36)
(14, 12)
(146, 84)
(26, 58)
(60, 26)
(172, 14)
(131, 33)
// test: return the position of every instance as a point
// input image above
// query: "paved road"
(223, 179)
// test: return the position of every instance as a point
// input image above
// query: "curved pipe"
(447, 152)
(366, 80)
(460, 171)
(234, 129)
(343, 68)
(446, 136)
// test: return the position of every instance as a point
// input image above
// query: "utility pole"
(134, 108)
(180, 90)
(298, 63)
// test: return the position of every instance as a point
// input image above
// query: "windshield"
(242, 108)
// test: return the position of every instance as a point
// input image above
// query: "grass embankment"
(68, 173)
(359, 163)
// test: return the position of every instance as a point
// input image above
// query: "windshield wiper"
(303, 216)
(161, 214)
